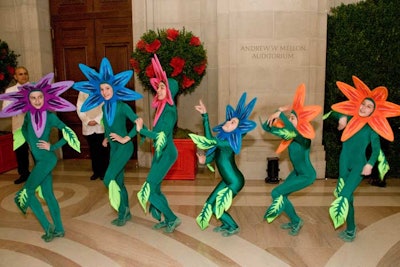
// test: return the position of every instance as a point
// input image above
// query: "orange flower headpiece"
(377, 120)
(304, 115)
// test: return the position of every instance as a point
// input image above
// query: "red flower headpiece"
(304, 115)
(377, 120)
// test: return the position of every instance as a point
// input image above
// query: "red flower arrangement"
(8, 63)
(181, 54)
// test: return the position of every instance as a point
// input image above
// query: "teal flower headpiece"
(242, 112)
(106, 75)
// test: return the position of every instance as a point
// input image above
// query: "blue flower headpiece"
(242, 112)
(52, 101)
(106, 75)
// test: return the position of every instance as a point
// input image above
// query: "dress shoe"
(21, 179)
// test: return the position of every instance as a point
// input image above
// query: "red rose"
(187, 82)
(1, 76)
(177, 63)
(135, 65)
(199, 69)
(141, 44)
(10, 70)
(172, 34)
(195, 41)
(153, 47)
(150, 71)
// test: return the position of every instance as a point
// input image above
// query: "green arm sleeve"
(132, 117)
(376, 147)
(206, 125)
(60, 125)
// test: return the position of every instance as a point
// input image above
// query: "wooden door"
(85, 32)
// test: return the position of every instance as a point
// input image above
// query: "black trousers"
(100, 155)
(22, 155)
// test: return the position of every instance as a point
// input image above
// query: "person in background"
(93, 130)
(21, 77)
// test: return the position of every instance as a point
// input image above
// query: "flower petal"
(353, 126)
(346, 107)
(350, 92)
(382, 127)
(361, 86)
(283, 145)
(299, 97)
(379, 94)
(388, 109)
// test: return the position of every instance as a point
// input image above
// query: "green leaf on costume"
(114, 194)
(21, 199)
(383, 165)
(339, 210)
(285, 133)
(339, 187)
(326, 115)
(18, 139)
(202, 142)
(210, 167)
(203, 220)
(143, 195)
(71, 138)
(223, 201)
(39, 192)
(159, 143)
(275, 209)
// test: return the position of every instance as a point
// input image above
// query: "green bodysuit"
(161, 165)
(232, 177)
(41, 176)
(303, 173)
(351, 162)
(120, 154)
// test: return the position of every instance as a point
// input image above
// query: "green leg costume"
(41, 179)
(120, 154)
(301, 177)
(115, 171)
(41, 176)
(159, 168)
(351, 162)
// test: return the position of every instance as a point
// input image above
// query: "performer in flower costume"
(296, 133)
(39, 101)
(165, 150)
(105, 87)
(222, 149)
(363, 118)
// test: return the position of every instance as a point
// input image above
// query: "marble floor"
(91, 240)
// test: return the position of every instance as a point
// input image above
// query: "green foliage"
(8, 63)
(171, 45)
(362, 41)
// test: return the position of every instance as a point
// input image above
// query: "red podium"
(185, 166)
(7, 155)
